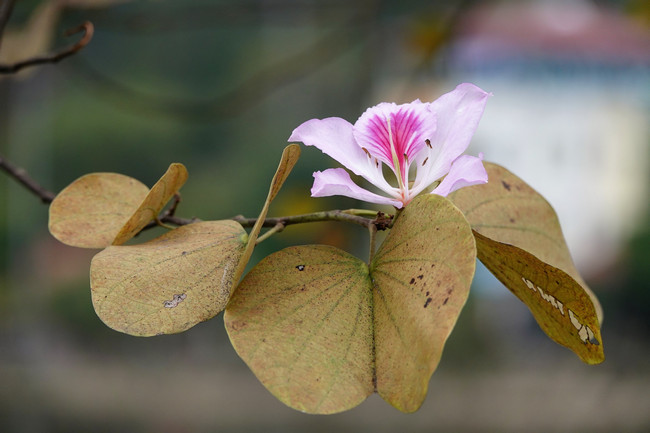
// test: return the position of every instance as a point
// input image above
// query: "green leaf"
(421, 274)
(301, 319)
(154, 202)
(91, 211)
(322, 330)
(510, 216)
(169, 284)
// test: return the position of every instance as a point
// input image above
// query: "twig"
(88, 30)
(362, 217)
(23, 178)
(275, 229)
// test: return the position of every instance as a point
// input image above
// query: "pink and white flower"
(424, 140)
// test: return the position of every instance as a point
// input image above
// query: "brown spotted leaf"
(562, 309)
(508, 212)
(154, 202)
(301, 320)
(169, 284)
(421, 276)
(322, 330)
(90, 212)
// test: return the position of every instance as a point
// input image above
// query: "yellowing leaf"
(154, 202)
(288, 160)
(561, 307)
(509, 212)
(322, 330)
(301, 319)
(421, 275)
(169, 284)
(90, 212)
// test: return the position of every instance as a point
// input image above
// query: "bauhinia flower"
(421, 140)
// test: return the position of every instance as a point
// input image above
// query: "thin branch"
(23, 178)
(332, 215)
(362, 217)
(87, 28)
(273, 230)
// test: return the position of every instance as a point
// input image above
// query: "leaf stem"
(273, 230)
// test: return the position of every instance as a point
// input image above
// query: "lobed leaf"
(421, 279)
(168, 284)
(301, 319)
(91, 211)
(154, 202)
(322, 330)
(507, 215)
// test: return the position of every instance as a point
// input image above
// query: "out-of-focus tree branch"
(87, 28)
(21, 176)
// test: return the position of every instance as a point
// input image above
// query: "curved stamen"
(396, 161)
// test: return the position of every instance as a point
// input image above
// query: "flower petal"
(334, 137)
(336, 181)
(458, 113)
(410, 125)
(467, 170)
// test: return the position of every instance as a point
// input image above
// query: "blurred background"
(219, 86)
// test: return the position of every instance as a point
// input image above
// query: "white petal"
(467, 170)
(458, 113)
(336, 181)
(334, 137)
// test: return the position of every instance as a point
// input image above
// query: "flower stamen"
(396, 161)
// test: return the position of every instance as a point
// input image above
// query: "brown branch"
(23, 178)
(87, 28)
(379, 220)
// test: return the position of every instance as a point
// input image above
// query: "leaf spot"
(420, 277)
(412, 281)
(445, 301)
(426, 304)
(506, 185)
(177, 299)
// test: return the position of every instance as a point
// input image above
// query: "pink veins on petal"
(431, 136)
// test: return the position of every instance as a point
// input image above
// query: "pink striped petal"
(467, 170)
(336, 181)
(410, 125)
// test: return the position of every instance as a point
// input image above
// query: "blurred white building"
(571, 85)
